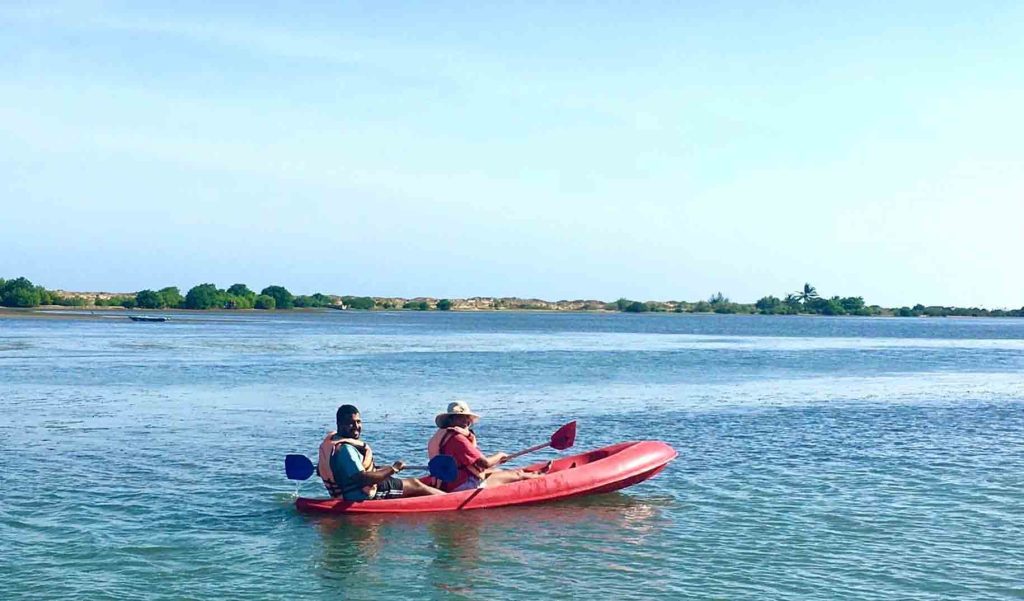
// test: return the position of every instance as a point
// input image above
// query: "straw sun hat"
(455, 408)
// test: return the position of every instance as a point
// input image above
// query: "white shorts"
(470, 484)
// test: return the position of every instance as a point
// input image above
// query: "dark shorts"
(388, 489)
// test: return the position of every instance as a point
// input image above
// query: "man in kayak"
(347, 470)
(454, 437)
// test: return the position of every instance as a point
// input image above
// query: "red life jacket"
(328, 448)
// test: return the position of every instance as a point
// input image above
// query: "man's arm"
(379, 475)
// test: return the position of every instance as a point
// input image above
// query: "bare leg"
(411, 487)
(499, 477)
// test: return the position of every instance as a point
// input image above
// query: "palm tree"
(807, 293)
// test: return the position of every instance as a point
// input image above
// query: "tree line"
(805, 301)
(20, 292)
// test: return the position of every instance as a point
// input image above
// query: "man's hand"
(397, 466)
(502, 458)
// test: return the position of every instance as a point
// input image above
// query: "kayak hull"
(599, 471)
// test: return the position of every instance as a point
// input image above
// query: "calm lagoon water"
(820, 458)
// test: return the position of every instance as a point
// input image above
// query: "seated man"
(347, 469)
(453, 437)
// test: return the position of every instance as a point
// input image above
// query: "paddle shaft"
(562, 439)
(299, 467)
(418, 468)
(535, 447)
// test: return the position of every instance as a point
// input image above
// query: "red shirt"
(465, 453)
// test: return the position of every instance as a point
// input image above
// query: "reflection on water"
(456, 563)
(466, 553)
(348, 550)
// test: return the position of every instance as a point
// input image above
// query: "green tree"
(833, 306)
(815, 305)
(171, 297)
(234, 301)
(264, 301)
(148, 299)
(718, 299)
(444, 305)
(623, 303)
(203, 296)
(807, 294)
(768, 304)
(313, 300)
(364, 303)
(19, 292)
(45, 296)
(240, 290)
(21, 297)
(70, 301)
(853, 304)
(637, 307)
(282, 298)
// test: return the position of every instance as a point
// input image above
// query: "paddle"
(561, 440)
(442, 467)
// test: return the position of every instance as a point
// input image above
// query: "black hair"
(344, 412)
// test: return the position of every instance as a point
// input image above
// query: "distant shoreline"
(58, 313)
(23, 294)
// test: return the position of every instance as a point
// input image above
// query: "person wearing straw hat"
(455, 437)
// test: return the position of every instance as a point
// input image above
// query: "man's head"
(350, 425)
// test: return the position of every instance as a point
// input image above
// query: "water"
(820, 458)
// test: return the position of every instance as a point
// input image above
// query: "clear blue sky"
(556, 150)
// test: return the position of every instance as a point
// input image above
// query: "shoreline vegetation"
(22, 293)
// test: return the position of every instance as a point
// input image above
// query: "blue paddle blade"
(443, 468)
(298, 467)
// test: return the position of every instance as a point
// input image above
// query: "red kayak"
(600, 471)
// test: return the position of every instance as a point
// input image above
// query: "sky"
(648, 150)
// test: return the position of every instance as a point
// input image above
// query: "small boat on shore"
(152, 318)
(600, 471)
